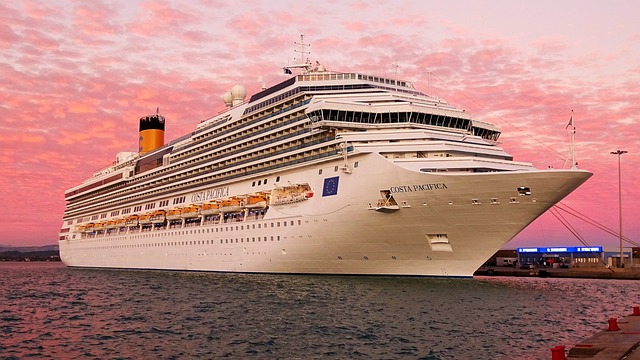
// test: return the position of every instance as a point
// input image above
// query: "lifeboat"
(231, 205)
(291, 194)
(144, 219)
(89, 227)
(174, 214)
(189, 212)
(111, 224)
(80, 228)
(256, 202)
(99, 226)
(131, 220)
(210, 208)
(121, 222)
(157, 217)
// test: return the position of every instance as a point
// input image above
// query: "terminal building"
(567, 256)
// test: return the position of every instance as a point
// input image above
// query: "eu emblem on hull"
(330, 186)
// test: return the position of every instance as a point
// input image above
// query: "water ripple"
(176, 315)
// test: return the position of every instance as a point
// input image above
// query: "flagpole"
(573, 143)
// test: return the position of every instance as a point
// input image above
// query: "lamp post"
(619, 153)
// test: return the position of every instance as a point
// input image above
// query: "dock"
(620, 340)
(574, 273)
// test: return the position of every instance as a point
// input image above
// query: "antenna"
(395, 64)
(302, 64)
(302, 51)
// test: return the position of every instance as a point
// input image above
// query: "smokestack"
(151, 132)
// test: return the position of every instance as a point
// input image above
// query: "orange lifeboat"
(232, 205)
(111, 224)
(99, 226)
(256, 202)
(121, 222)
(174, 214)
(131, 220)
(144, 219)
(191, 211)
(89, 227)
(80, 228)
(157, 217)
(210, 208)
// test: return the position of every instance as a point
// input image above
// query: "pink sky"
(77, 75)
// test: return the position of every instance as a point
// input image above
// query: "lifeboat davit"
(210, 208)
(232, 205)
(157, 217)
(191, 211)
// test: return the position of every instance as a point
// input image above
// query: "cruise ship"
(324, 173)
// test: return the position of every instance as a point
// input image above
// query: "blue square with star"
(330, 186)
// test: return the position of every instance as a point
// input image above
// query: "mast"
(303, 64)
(573, 143)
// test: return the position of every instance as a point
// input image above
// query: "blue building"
(573, 256)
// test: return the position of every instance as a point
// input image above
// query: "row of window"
(231, 138)
(249, 157)
(292, 159)
(390, 118)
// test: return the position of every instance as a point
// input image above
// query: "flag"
(330, 186)
(570, 121)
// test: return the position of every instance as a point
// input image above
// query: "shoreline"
(548, 272)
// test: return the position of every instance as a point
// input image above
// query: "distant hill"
(4, 248)
(29, 253)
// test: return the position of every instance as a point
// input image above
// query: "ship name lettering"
(417, 187)
(429, 187)
(210, 194)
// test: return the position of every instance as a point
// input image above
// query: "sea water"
(50, 311)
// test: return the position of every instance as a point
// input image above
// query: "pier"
(618, 341)
(630, 273)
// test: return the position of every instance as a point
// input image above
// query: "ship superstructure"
(325, 172)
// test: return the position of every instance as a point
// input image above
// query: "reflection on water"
(48, 310)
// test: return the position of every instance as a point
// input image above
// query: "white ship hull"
(445, 225)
